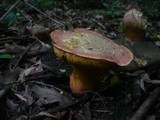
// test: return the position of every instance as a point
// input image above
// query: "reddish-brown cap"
(134, 25)
(135, 18)
(91, 45)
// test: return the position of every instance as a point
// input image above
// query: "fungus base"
(83, 80)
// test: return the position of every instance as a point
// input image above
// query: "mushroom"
(134, 25)
(146, 53)
(89, 53)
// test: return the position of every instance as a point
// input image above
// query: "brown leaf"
(49, 95)
(66, 115)
(12, 105)
(26, 96)
(36, 68)
(14, 48)
(9, 76)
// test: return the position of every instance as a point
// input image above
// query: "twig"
(102, 26)
(44, 14)
(147, 105)
(48, 85)
(46, 67)
(28, 54)
(15, 4)
(24, 53)
(10, 39)
(37, 78)
(30, 79)
(97, 94)
(24, 14)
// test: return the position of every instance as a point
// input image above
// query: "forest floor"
(34, 83)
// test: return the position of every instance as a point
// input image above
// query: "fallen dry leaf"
(47, 95)
(36, 68)
(9, 76)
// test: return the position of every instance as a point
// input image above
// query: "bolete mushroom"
(89, 53)
(134, 25)
(145, 53)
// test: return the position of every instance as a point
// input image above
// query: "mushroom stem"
(133, 33)
(83, 80)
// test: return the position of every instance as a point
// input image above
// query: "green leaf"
(62, 70)
(120, 27)
(106, 5)
(110, 12)
(18, 15)
(117, 13)
(10, 18)
(114, 80)
(5, 56)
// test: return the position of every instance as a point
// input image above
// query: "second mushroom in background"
(134, 24)
(145, 52)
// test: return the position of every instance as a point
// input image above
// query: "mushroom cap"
(134, 18)
(134, 24)
(85, 47)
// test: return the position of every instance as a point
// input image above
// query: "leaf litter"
(34, 83)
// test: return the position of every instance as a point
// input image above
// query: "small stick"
(147, 105)
(102, 26)
(10, 38)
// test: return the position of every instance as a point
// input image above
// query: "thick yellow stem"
(83, 80)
